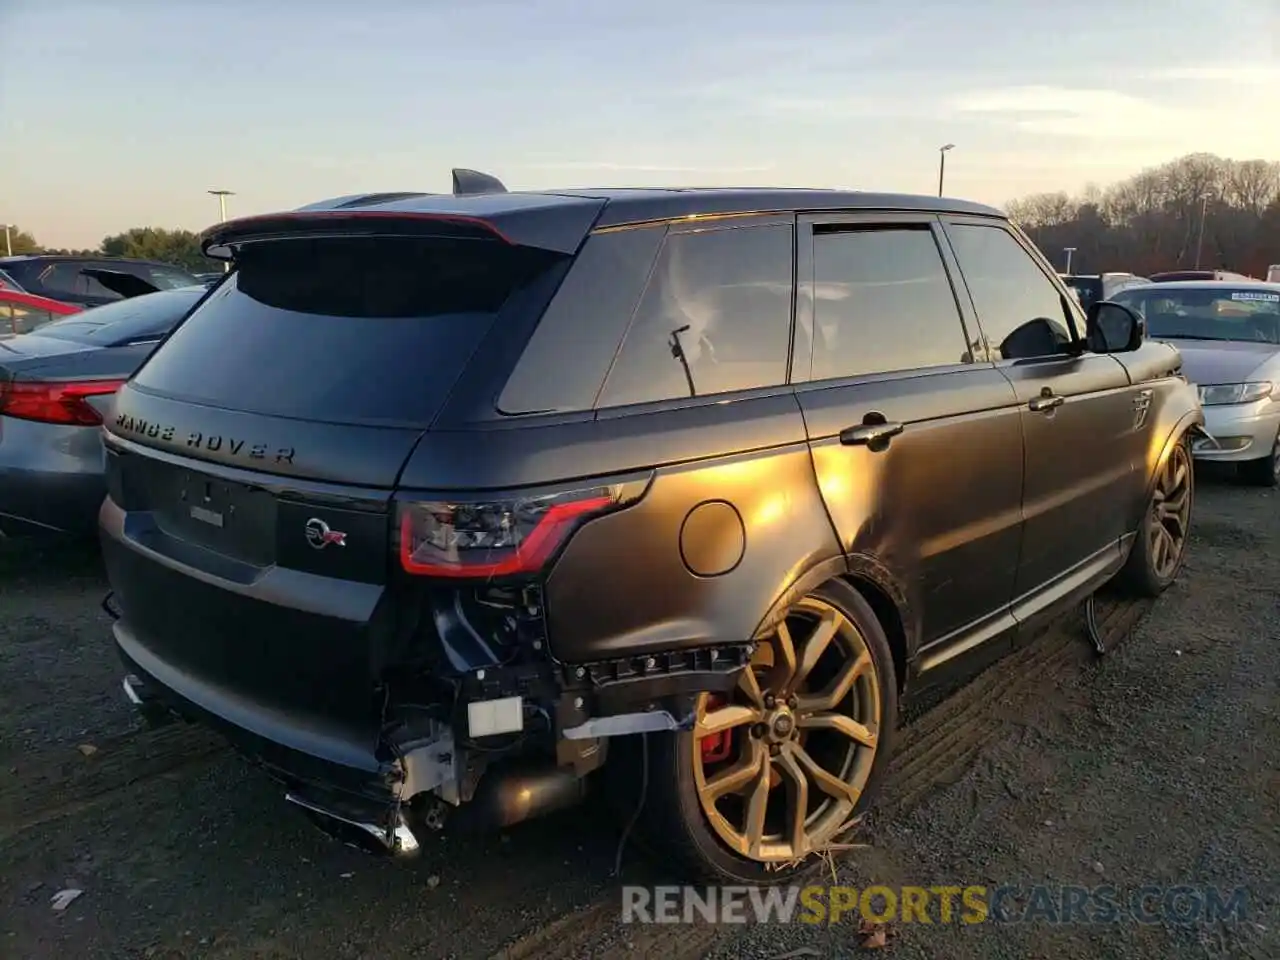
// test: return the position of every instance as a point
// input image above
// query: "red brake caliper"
(717, 746)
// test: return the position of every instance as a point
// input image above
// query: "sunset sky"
(124, 114)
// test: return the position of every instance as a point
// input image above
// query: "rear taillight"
(494, 538)
(65, 402)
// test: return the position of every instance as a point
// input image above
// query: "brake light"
(64, 402)
(494, 538)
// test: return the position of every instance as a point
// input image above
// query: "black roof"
(560, 219)
(624, 205)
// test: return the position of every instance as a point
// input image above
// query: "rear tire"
(1265, 471)
(833, 734)
(1160, 546)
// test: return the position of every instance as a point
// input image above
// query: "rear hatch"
(251, 460)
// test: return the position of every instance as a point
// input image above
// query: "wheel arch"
(1191, 421)
(876, 585)
(886, 609)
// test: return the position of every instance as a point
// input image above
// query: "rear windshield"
(1249, 314)
(342, 330)
(126, 321)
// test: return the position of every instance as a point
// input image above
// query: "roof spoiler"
(471, 182)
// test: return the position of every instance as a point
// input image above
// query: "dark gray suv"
(438, 505)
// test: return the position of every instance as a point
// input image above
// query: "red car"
(24, 312)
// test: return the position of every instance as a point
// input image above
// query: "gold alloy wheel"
(1170, 513)
(805, 723)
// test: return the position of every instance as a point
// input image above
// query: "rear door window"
(715, 318)
(342, 330)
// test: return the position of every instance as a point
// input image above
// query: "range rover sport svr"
(440, 504)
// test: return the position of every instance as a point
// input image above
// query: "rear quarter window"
(565, 361)
(342, 330)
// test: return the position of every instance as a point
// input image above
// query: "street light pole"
(942, 164)
(1204, 212)
(8, 242)
(1068, 251)
(222, 214)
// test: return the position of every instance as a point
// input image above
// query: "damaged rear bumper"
(352, 786)
(387, 785)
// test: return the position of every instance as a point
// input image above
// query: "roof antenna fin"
(468, 182)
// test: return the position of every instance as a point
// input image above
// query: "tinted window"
(64, 278)
(565, 361)
(126, 321)
(882, 302)
(715, 317)
(344, 330)
(1021, 312)
(23, 272)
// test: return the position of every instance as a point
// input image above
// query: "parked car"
(1273, 273)
(54, 384)
(1228, 333)
(81, 281)
(435, 544)
(1177, 276)
(22, 312)
(1090, 288)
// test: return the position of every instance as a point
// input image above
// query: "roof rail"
(468, 182)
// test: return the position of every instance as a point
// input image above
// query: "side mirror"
(1111, 327)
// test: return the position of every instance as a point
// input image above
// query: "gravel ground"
(1154, 766)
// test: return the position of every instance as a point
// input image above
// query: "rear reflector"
(65, 402)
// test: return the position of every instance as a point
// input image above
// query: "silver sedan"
(1228, 333)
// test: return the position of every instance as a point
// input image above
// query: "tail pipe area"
(503, 798)
(393, 837)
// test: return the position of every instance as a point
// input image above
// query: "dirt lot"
(1156, 765)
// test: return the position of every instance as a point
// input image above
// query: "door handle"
(1046, 401)
(868, 433)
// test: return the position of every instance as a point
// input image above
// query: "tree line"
(178, 247)
(1199, 209)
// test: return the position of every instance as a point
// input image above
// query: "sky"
(121, 114)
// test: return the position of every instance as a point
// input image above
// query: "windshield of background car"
(1229, 313)
(150, 316)
(359, 330)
